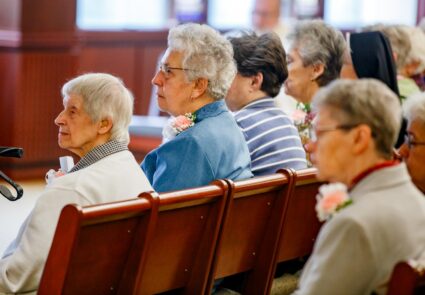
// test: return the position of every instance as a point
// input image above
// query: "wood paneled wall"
(32, 102)
(130, 55)
(40, 49)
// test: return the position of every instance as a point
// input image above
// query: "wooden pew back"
(184, 240)
(301, 226)
(94, 248)
(250, 232)
(407, 280)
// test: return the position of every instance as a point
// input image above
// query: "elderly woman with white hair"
(374, 214)
(415, 60)
(413, 149)
(94, 126)
(203, 141)
(402, 39)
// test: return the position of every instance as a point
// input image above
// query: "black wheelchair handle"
(6, 192)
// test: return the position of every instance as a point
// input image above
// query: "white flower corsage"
(178, 124)
(331, 198)
(52, 174)
(66, 163)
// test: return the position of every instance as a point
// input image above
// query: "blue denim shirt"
(211, 149)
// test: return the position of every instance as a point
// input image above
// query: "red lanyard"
(368, 171)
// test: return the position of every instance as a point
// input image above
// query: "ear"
(257, 81)
(318, 70)
(362, 139)
(411, 68)
(105, 125)
(201, 85)
(395, 56)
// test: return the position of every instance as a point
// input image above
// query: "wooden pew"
(95, 248)
(407, 280)
(161, 243)
(250, 232)
(184, 240)
(300, 225)
(145, 246)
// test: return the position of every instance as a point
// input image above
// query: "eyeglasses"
(317, 132)
(166, 69)
(410, 141)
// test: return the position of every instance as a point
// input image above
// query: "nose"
(404, 151)
(157, 80)
(59, 119)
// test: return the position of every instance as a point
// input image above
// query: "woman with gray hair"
(413, 149)
(355, 129)
(202, 139)
(415, 61)
(94, 126)
(401, 45)
(314, 58)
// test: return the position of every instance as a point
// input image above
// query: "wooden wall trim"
(10, 38)
(108, 37)
(16, 39)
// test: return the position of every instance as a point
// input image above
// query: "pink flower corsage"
(331, 198)
(298, 116)
(52, 174)
(178, 124)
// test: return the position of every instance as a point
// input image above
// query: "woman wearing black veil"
(369, 55)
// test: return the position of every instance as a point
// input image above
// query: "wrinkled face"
(300, 83)
(331, 152)
(238, 94)
(414, 156)
(174, 91)
(77, 132)
(265, 15)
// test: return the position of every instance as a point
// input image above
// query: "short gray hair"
(104, 96)
(399, 40)
(207, 54)
(364, 101)
(319, 43)
(417, 53)
(414, 107)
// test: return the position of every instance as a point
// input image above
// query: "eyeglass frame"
(165, 69)
(345, 127)
(411, 143)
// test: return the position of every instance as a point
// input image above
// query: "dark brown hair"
(254, 54)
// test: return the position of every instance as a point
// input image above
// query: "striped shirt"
(272, 138)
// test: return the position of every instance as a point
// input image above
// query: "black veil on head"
(373, 58)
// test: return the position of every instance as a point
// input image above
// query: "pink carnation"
(298, 116)
(52, 174)
(182, 123)
(331, 201)
(331, 198)
(59, 173)
(177, 125)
